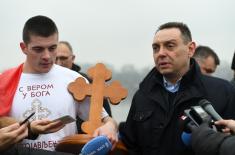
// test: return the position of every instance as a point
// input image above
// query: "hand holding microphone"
(203, 112)
(229, 125)
(99, 145)
(108, 130)
(198, 119)
(206, 105)
(204, 138)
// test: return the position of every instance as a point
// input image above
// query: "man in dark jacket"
(153, 126)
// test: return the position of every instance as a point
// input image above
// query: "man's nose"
(46, 54)
(58, 61)
(162, 51)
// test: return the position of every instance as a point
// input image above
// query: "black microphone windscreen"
(207, 106)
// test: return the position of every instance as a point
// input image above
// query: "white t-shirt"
(47, 95)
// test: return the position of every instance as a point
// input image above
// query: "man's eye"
(62, 58)
(170, 46)
(38, 50)
(51, 49)
(155, 49)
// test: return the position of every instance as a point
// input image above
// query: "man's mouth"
(45, 64)
(163, 64)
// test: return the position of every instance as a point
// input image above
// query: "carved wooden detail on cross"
(97, 90)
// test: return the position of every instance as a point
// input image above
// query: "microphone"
(206, 105)
(99, 145)
(186, 138)
(186, 134)
(183, 123)
(189, 126)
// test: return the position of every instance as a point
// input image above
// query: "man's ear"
(192, 47)
(73, 58)
(23, 47)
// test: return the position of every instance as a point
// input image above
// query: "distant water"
(121, 110)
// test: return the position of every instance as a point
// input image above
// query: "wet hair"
(185, 32)
(203, 52)
(39, 26)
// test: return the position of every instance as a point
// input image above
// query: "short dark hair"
(66, 43)
(185, 32)
(39, 25)
(202, 52)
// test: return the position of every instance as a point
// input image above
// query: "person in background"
(65, 56)
(39, 85)
(154, 124)
(207, 59)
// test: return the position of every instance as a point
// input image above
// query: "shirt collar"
(170, 86)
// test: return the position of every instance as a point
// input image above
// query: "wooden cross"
(97, 91)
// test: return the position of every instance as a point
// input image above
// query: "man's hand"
(12, 134)
(228, 124)
(45, 126)
(6, 121)
(109, 129)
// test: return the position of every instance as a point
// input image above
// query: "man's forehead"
(210, 61)
(169, 34)
(63, 49)
(43, 41)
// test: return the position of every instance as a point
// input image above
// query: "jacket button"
(161, 125)
(141, 116)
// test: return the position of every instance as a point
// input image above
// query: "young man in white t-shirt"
(42, 88)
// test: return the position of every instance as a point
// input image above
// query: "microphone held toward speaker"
(99, 145)
(195, 116)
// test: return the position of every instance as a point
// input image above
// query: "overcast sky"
(118, 32)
